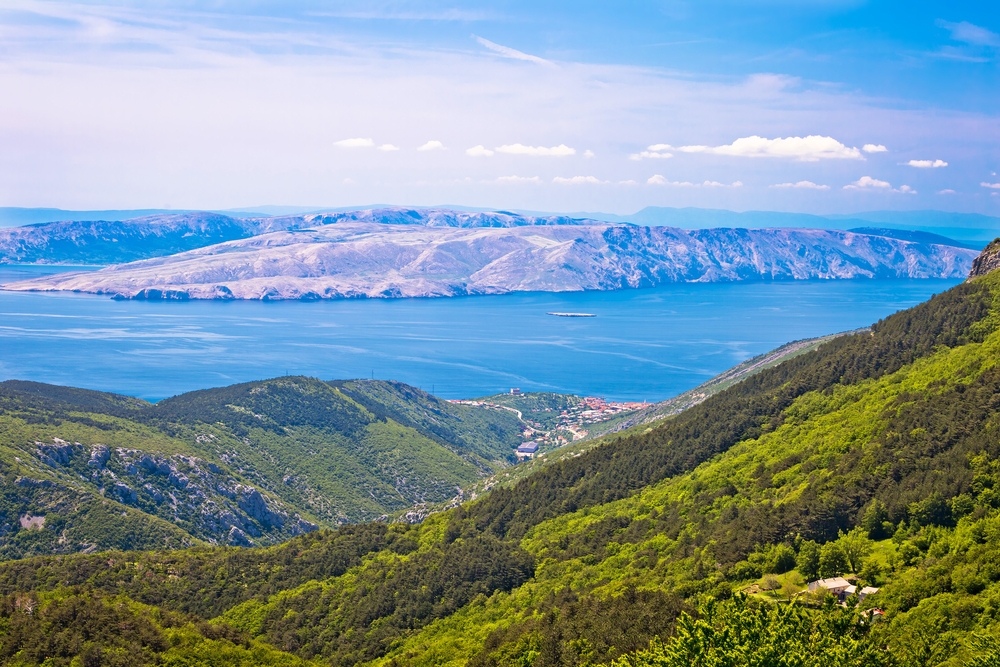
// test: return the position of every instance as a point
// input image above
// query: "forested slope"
(876, 456)
(254, 463)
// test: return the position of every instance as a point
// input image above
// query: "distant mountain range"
(116, 241)
(435, 252)
(972, 228)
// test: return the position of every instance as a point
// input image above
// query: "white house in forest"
(841, 588)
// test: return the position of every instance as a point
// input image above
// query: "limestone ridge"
(117, 241)
(352, 258)
(988, 260)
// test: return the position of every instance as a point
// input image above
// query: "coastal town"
(550, 426)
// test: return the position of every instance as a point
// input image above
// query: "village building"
(841, 588)
(527, 450)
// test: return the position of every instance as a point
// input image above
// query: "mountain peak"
(988, 260)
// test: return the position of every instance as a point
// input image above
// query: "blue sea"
(647, 344)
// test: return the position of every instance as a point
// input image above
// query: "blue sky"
(819, 107)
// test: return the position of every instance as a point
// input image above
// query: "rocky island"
(334, 256)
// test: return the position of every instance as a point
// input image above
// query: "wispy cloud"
(562, 150)
(478, 151)
(519, 179)
(658, 179)
(971, 33)
(445, 15)
(386, 148)
(874, 148)
(508, 52)
(432, 145)
(578, 180)
(802, 185)
(927, 164)
(946, 191)
(654, 151)
(805, 149)
(354, 143)
(992, 186)
(875, 185)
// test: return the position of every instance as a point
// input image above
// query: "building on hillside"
(841, 588)
(834, 585)
(514, 391)
(527, 450)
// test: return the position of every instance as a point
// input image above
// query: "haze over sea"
(647, 344)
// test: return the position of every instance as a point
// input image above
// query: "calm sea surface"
(644, 344)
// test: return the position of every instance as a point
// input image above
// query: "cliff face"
(988, 260)
(358, 259)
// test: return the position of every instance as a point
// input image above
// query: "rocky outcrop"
(988, 260)
(358, 259)
(208, 500)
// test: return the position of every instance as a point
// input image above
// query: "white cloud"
(588, 153)
(519, 179)
(802, 185)
(432, 145)
(386, 148)
(648, 154)
(874, 148)
(927, 164)
(354, 143)
(628, 182)
(657, 179)
(654, 151)
(868, 183)
(947, 191)
(804, 149)
(508, 52)
(479, 151)
(874, 184)
(578, 180)
(562, 150)
(993, 186)
(350, 181)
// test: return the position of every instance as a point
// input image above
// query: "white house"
(841, 588)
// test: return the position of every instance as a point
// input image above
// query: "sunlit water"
(643, 345)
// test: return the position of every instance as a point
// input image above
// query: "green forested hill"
(253, 463)
(876, 456)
